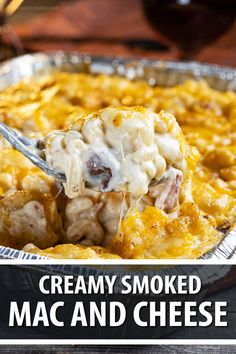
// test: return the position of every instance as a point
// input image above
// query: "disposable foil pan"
(155, 72)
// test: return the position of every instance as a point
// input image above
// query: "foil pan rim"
(75, 57)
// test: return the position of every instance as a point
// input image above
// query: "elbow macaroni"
(117, 149)
(111, 225)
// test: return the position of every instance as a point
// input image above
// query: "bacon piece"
(166, 190)
(96, 168)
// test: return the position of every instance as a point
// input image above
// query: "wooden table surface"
(113, 20)
(123, 349)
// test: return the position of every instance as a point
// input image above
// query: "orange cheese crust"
(208, 119)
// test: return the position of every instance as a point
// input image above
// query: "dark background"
(116, 20)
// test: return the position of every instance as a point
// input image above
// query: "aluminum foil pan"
(155, 72)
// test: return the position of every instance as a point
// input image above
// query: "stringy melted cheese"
(207, 202)
(132, 145)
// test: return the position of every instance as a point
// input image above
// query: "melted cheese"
(207, 200)
(117, 149)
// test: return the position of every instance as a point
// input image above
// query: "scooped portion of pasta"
(120, 149)
(117, 162)
(135, 187)
(114, 160)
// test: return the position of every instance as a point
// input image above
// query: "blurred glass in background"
(190, 24)
(10, 45)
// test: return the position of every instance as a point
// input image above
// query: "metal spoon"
(31, 149)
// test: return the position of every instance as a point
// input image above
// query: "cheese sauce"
(122, 157)
(149, 226)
